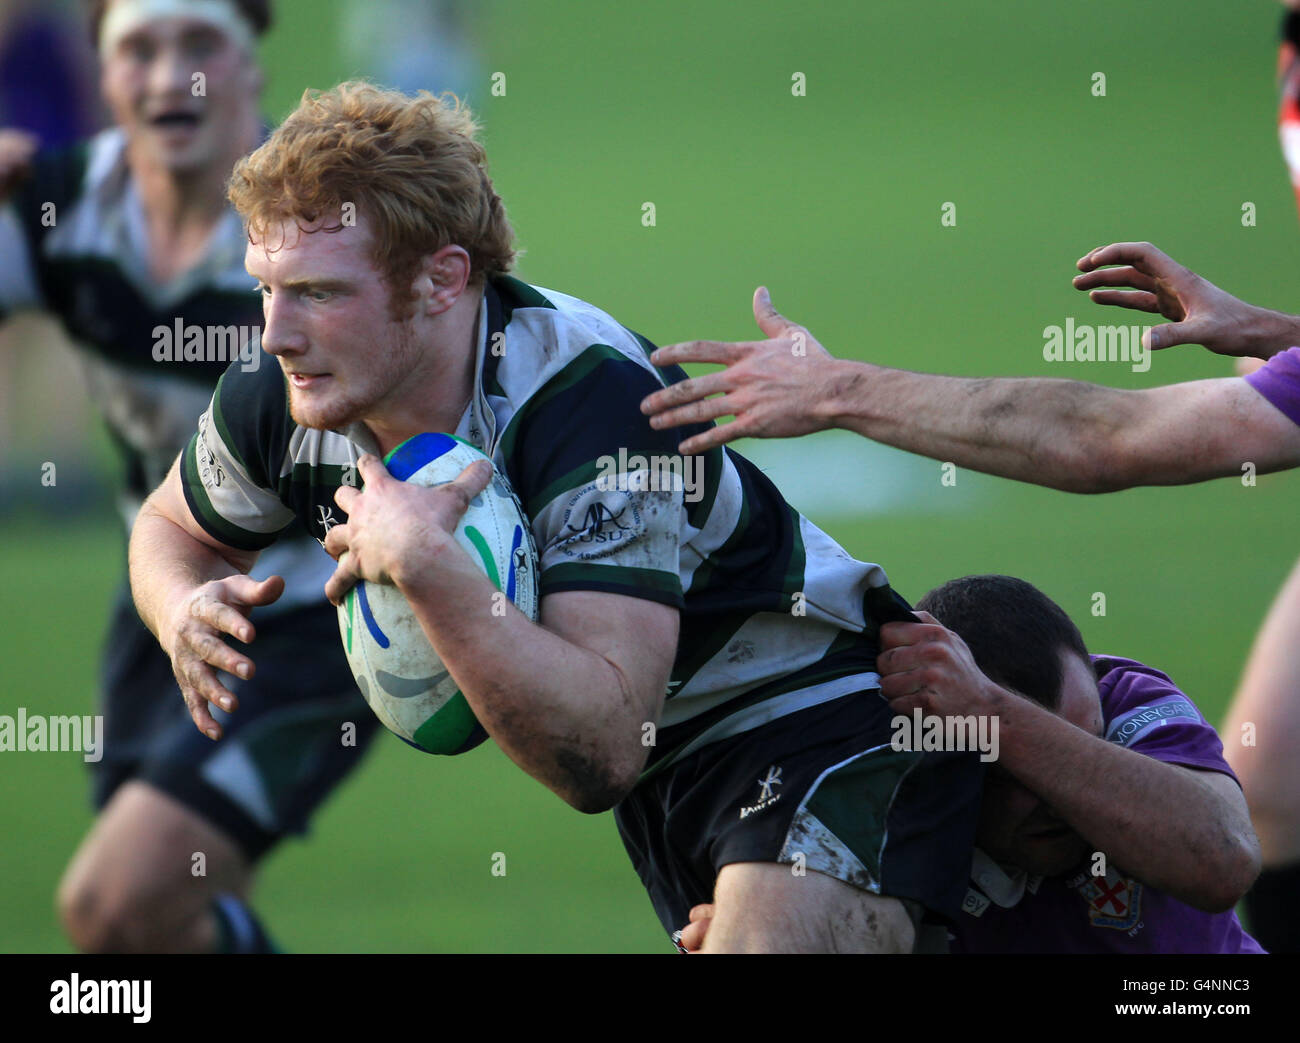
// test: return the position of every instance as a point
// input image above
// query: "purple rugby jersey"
(1145, 712)
(1279, 382)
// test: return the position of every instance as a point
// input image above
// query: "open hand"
(774, 388)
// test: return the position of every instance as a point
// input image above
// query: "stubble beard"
(383, 380)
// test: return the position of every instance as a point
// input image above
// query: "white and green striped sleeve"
(230, 468)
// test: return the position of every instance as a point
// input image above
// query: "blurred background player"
(1096, 754)
(48, 99)
(122, 235)
(1268, 697)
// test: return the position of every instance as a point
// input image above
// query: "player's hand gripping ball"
(395, 667)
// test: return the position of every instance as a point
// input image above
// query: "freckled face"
(328, 321)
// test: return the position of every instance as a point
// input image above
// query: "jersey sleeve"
(1147, 713)
(28, 216)
(604, 490)
(18, 288)
(230, 469)
(1278, 380)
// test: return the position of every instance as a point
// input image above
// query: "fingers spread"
(216, 613)
(1143, 255)
(249, 591)
(699, 351)
(695, 412)
(1138, 300)
(1168, 334)
(212, 651)
(199, 714)
(686, 391)
(714, 437)
(1115, 277)
(199, 687)
(770, 321)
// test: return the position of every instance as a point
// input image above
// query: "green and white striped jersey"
(775, 616)
(73, 243)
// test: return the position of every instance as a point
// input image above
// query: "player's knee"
(68, 904)
(88, 917)
(99, 915)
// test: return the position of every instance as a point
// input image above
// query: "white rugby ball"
(395, 667)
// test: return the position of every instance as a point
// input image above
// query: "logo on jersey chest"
(1114, 901)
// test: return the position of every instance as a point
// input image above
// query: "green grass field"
(833, 200)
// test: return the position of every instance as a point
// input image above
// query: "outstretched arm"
(1065, 434)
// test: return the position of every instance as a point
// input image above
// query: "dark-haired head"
(1015, 632)
(1022, 640)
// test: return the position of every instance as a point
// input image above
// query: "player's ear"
(442, 278)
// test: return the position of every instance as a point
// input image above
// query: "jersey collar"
(1001, 883)
(482, 430)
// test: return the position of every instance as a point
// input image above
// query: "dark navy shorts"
(300, 727)
(821, 789)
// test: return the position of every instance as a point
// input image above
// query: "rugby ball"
(395, 667)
